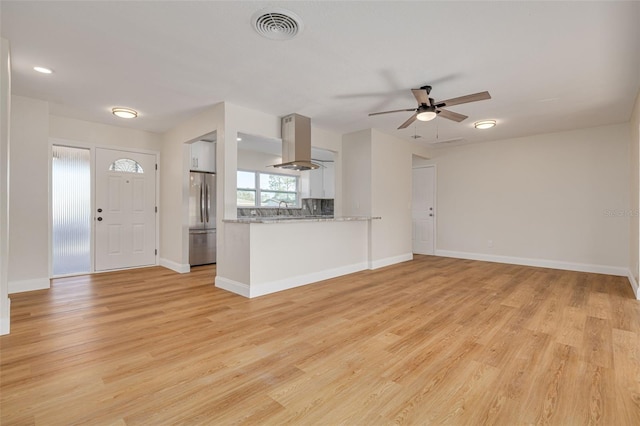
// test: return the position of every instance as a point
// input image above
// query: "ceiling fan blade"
(451, 115)
(421, 96)
(409, 121)
(465, 99)
(389, 112)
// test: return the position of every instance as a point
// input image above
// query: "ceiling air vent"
(277, 24)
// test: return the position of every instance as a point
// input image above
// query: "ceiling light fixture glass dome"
(43, 70)
(426, 115)
(485, 124)
(124, 112)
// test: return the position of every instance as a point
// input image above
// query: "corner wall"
(5, 115)
(634, 195)
(555, 200)
(377, 181)
(174, 181)
(391, 181)
(29, 189)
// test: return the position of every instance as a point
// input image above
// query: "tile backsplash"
(317, 206)
(310, 207)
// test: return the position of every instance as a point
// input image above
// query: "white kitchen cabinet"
(329, 180)
(322, 181)
(315, 183)
(203, 156)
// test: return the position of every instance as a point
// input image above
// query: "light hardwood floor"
(431, 341)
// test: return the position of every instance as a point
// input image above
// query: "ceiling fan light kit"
(484, 124)
(428, 109)
(426, 115)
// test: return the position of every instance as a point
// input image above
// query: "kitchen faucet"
(280, 204)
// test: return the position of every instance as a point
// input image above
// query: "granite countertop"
(290, 219)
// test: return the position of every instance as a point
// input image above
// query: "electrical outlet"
(490, 243)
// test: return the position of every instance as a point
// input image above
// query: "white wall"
(634, 195)
(377, 171)
(356, 173)
(268, 257)
(102, 135)
(29, 183)
(5, 114)
(391, 183)
(174, 183)
(559, 197)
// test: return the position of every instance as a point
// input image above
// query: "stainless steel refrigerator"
(202, 218)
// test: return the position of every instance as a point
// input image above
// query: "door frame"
(435, 204)
(92, 158)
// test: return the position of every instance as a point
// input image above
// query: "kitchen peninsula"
(272, 254)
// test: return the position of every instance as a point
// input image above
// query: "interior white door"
(423, 210)
(125, 216)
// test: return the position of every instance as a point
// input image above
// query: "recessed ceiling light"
(239, 139)
(124, 112)
(485, 124)
(43, 70)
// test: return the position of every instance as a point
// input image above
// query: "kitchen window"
(257, 189)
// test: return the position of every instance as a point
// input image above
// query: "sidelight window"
(71, 210)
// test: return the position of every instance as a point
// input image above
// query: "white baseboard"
(232, 286)
(542, 263)
(634, 284)
(29, 285)
(5, 320)
(261, 289)
(381, 263)
(300, 280)
(180, 268)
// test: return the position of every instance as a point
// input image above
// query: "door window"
(126, 165)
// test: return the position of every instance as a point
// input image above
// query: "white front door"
(423, 210)
(125, 215)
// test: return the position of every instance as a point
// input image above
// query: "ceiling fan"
(428, 109)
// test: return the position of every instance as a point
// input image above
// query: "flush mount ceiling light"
(485, 124)
(277, 24)
(427, 115)
(43, 70)
(124, 112)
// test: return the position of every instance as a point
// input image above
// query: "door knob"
(99, 219)
(99, 210)
(431, 214)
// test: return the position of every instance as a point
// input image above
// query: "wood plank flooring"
(431, 341)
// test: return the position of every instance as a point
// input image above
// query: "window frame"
(257, 190)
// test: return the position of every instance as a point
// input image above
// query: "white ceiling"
(549, 66)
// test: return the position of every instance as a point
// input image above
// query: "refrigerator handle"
(208, 201)
(201, 202)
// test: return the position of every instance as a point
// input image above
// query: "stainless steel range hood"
(296, 143)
